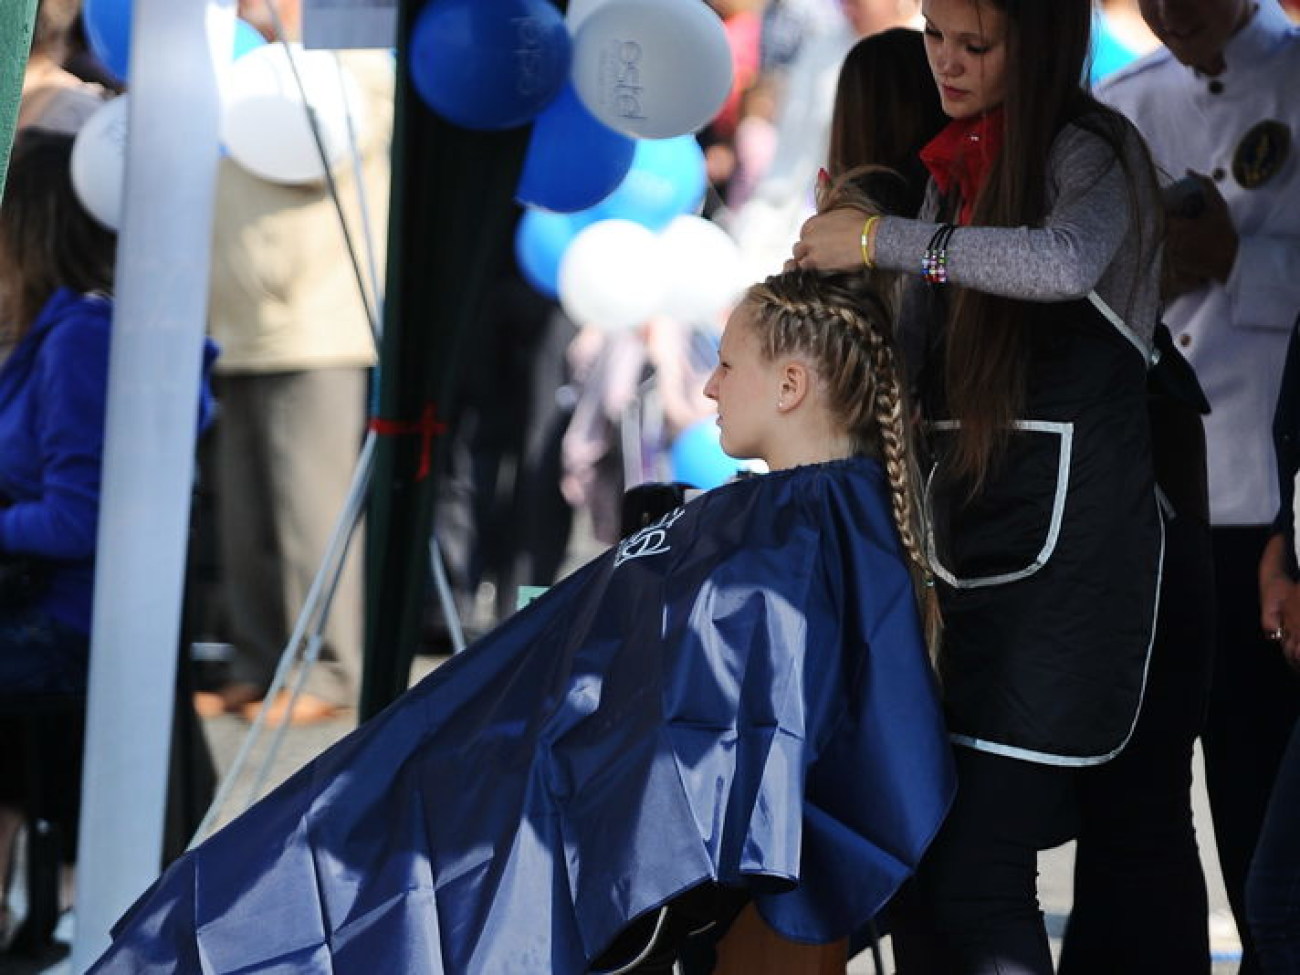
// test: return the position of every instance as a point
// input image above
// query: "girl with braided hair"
(824, 343)
(731, 710)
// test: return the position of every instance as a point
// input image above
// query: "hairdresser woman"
(1036, 300)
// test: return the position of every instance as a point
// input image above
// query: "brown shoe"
(307, 710)
(228, 699)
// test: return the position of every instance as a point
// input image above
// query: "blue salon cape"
(738, 693)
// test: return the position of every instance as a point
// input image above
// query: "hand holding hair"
(831, 241)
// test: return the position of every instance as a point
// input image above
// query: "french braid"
(904, 480)
(842, 325)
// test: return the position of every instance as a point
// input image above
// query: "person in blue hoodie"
(56, 271)
(56, 276)
(56, 309)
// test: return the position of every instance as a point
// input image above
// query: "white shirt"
(1235, 335)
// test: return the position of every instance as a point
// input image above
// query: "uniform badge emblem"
(1261, 153)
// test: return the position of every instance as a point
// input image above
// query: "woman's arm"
(69, 386)
(1064, 259)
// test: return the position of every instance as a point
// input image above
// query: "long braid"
(904, 481)
(888, 403)
(841, 322)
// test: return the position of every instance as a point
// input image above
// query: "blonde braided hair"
(842, 326)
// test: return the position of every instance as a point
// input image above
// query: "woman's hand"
(830, 241)
(1272, 597)
(1279, 599)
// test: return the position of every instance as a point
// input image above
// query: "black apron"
(1048, 576)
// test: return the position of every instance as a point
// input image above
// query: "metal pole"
(148, 472)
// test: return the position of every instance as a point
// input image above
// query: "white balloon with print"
(265, 126)
(652, 68)
(98, 166)
(704, 273)
(611, 275)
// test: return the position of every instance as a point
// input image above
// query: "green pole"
(16, 21)
(449, 221)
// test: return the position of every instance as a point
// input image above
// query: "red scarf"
(962, 154)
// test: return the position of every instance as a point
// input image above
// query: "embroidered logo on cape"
(650, 540)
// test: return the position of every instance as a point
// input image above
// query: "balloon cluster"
(616, 273)
(648, 69)
(266, 95)
(612, 171)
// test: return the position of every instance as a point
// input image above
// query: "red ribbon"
(962, 154)
(426, 427)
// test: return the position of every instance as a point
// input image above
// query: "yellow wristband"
(866, 240)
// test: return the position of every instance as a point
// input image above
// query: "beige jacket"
(284, 296)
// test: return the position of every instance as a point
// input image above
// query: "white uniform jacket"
(1242, 128)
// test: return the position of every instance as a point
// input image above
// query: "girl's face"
(747, 387)
(965, 42)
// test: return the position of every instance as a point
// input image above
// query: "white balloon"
(652, 68)
(98, 166)
(611, 275)
(264, 126)
(577, 12)
(704, 273)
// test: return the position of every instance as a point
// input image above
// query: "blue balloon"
(574, 160)
(667, 179)
(489, 64)
(541, 238)
(247, 38)
(697, 457)
(108, 28)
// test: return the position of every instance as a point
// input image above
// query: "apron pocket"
(1008, 530)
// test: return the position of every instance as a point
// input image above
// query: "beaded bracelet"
(866, 240)
(934, 265)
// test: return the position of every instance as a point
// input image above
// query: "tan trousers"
(286, 449)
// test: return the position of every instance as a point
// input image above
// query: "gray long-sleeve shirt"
(1088, 240)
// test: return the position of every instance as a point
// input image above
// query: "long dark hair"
(47, 239)
(886, 109)
(1047, 58)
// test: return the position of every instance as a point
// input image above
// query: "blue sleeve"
(69, 385)
(207, 401)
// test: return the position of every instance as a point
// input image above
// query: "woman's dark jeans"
(1273, 885)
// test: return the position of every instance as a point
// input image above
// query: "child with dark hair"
(56, 274)
(56, 277)
(56, 281)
